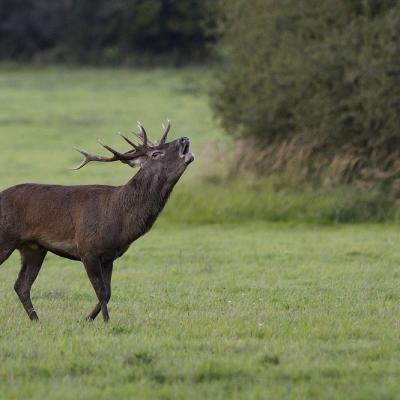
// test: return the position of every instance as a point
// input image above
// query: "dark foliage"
(327, 71)
(102, 31)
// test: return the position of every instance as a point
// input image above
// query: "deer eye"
(157, 154)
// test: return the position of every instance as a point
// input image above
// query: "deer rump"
(94, 224)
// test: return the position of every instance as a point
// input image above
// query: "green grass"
(252, 311)
(219, 306)
(44, 113)
(236, 202)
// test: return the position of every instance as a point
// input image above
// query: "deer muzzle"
(184, 150)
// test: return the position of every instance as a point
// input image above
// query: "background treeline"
(316, 84)
(131, 32)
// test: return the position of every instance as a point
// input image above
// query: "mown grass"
(253, 311)
(211, 303)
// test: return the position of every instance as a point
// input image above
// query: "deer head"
(174, 156)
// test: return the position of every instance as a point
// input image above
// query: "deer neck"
(144, 197)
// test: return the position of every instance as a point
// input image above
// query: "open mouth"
(185, 148)
(184, 151)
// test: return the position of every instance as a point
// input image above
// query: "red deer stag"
(94, 224)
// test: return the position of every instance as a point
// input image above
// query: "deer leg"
(95, 274)
(31, 262)
(107, 273)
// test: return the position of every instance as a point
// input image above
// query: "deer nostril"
(184, 140)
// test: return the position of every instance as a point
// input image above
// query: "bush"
(328, 71)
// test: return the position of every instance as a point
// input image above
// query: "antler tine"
(137, 148)
(165, 134)
(138, 135)
(91, 157)
(142, 134)
(117, 154)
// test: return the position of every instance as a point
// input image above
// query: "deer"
(93, 224)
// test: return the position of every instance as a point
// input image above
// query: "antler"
(91, 157)
(117, 156)
(135, 146)
(142, 134)
(165, 134)
(138, 150)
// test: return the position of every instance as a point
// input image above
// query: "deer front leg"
(95, 274)
(107, 269)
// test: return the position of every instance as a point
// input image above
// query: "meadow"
(236, 292)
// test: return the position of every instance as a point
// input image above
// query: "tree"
(103, 31)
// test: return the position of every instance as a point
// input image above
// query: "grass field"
(253, 312)
(248, 310)
(44, 113)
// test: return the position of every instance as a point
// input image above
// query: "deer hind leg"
(95, 274)
(31, 262)
(107, 269)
